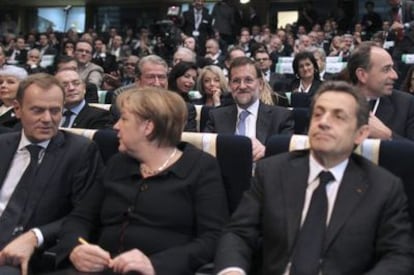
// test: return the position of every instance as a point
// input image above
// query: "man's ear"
(17, 108)
(361, 134)
(361, 75)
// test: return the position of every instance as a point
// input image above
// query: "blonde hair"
(267, 95)
(217, 72)
(165, 109)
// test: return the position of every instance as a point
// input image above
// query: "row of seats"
(300, 115)
(235, 156)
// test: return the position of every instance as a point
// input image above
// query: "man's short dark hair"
(242, 61)
(360, 58)
(43, 80)
(362, 112)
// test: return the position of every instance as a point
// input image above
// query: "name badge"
(196, 33)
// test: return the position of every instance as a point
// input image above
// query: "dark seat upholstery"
(301, 116)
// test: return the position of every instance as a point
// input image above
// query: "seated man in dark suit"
(323, 210)
(249, 117)
(77, 113)
(371, 69)
(44, 173)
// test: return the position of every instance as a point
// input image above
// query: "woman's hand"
(133, 260)
(90, 258)
(216, 96)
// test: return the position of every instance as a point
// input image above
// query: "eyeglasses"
(153, 77)
(238, 81)
(74, 83)
(83, 51)
(130, 64)
(262, 59)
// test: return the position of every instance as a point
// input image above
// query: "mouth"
(322, 136)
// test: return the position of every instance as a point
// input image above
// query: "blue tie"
(67, 115)
(241, 126)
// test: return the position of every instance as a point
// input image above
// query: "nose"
(116, 125)
(157, 81)
(47, 116)
(324, 121)
(394, 74)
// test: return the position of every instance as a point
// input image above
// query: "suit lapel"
(295, 186)
(45, 173)
(81, 116)
(229, 121)
(8, 149)
(351, 191)
(263, 122)
(385, 110)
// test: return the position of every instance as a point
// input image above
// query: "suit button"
(144, 187)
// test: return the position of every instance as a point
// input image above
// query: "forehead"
(305, 61)
(338, 101)
(210, 74)
(261, 55)
(244, 70)
(380, 57)
(149, 67)
(83, 45)
(38, 96)
(67, 75)
(9, 77)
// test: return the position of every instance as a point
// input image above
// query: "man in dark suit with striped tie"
(44, 174)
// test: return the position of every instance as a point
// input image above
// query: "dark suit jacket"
(369, 230)
(20, 57)
(397, 112)
(9, 119)
(92, 118)
(69, 167)
(108, 63)
(271, 120)
(205, 29)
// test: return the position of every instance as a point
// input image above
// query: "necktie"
(67, 115)
(309, 244)
(11, 218)
(198, 18)
(241, 126)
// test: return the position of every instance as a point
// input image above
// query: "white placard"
(335, 67)
(284, 68)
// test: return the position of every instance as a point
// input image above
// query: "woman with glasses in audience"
(10, 77)
(212, 85)
(161, 204)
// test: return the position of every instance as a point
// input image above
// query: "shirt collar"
(315, 168)
(76, 110)
(24, 141)
(252, 109)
